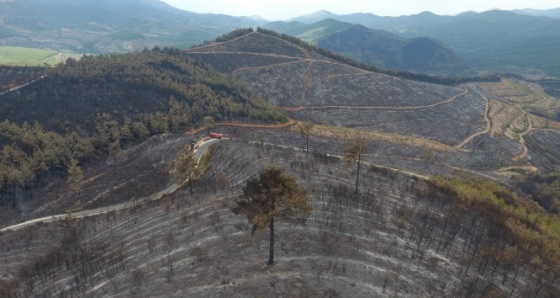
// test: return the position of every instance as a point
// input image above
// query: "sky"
(274, 10)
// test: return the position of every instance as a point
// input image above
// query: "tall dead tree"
(354, 153)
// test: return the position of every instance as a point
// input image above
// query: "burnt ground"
(391, 240)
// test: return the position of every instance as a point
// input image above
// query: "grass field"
(17, 56)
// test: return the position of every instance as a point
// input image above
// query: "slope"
(83, 111)
(400, 236)
(416, 123)
(300, 79)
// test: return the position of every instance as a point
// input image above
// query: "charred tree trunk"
(190, 183)
(271, 248)
(307, 146)
(358, 173)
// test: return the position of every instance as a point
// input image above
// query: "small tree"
(185, 166)
(304, 129)
(75, 176)
(354, 155)
(273, 195)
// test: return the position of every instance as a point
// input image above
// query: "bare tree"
(272, 195)
(305, 129)
(354, 155)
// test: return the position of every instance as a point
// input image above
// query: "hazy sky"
(285, 9)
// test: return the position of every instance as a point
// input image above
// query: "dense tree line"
(372, 68)
(234, 34)
(130, 85)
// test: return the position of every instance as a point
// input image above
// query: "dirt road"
(203, 147)
(22, 85)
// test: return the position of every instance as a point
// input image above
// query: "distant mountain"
(553, 13)
(309, 32)
(315, 17)
(105, 26)
(375, 47)
(393, 24)
(490, 41)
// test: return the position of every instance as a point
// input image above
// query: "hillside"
(127, 86)
(83, 111)
(375, 47)
(107, 26)
(400, 236)
(460, 127)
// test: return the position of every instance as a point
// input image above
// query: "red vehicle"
(214, 135)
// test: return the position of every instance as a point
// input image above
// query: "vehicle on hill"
(215, 135)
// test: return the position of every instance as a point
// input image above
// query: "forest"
(85, 110)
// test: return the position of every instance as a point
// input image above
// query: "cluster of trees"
(535, 232)
(30, 154)
(372, 68)
(544, 188)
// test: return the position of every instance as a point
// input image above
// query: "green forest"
(85, 110)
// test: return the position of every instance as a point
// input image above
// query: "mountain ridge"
(491, 41)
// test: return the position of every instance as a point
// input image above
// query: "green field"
(17, 56)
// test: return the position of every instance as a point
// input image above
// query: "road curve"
(203, 147)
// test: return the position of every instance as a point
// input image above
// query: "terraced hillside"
(480, 129)
(401, 236)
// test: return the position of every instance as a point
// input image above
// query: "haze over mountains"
(493, 40)
(107, 26)
(523, 42)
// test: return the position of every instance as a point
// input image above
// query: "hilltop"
(461, 126)
(375, 47)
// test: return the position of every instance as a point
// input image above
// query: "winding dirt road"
(485, 131)
(103, 210)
